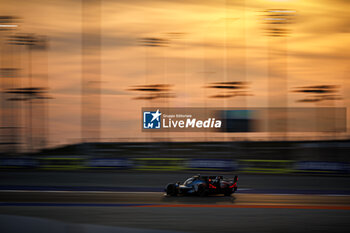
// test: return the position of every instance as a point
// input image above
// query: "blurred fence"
(159, 164)
(177, 164)
(62, 163)
(266, 166)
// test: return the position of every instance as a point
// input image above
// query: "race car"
(203, 186)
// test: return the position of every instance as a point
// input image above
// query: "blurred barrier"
(61, 163)
(159, 164)
(176, 164)
(24, 162)
(212, 164)
(266, 166)
(109, 163)
(321, 167)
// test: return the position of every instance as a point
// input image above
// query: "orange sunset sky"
(207, 41)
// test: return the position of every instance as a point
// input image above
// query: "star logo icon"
(151, 120)
(156, 115)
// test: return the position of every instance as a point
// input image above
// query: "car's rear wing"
(234, 180)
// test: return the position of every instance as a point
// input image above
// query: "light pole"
(318, 94)
(29, 93)
(91, 71)
(153, 92)
(8, 76)
(277, 21)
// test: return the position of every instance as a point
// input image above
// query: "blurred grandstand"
(307, 150)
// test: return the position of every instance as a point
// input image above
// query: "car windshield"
(189, 181)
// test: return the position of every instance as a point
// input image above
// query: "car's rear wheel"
(171, 190)
(227, 192)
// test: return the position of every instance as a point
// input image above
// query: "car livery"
(203, 186)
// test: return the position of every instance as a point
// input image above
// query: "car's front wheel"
(171, 190)
(202, 191)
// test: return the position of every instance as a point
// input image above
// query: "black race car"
(203, 185)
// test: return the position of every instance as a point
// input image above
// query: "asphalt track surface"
(265, 204)
(155, 181)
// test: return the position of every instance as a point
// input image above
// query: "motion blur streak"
(36, 204)
(160, 200)
(258, 206)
